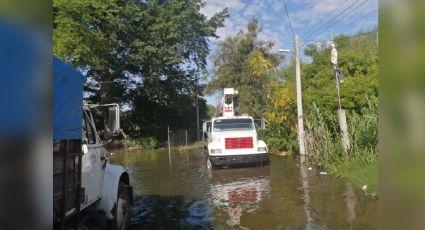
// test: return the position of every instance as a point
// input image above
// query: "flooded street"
(179, 193)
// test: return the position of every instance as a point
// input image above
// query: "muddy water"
(179, 193)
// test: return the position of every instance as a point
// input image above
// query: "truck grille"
(239, 143)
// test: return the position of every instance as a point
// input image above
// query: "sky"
(310, 20)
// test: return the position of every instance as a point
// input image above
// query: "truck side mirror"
(114, 120)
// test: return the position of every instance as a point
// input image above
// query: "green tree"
(211, 110)
(242, 62)
(358, 60)
(138, 53)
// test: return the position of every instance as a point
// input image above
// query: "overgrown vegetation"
(136, 143)
(359, 97)
(358, 61)
(326, 149)
(195, 145)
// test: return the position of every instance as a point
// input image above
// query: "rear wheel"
(121, 211)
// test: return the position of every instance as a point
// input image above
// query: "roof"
(67, 101)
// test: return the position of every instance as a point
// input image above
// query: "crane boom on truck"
(88, 191)
(232, 140)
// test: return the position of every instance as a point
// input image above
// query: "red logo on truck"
(228, 109)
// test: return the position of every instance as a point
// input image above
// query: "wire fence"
(180, 137)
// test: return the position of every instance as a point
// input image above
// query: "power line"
(289, 20)
(348, 25)
(319, 29)
(364, 33)
(351, 11)
(327, 16)
(327, 23)
(360, 18)
(348, 35)
(337, 19)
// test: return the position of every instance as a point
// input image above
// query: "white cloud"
(314, 11)
(214, 6)
(306, 16)
(250, 10)
(232, 24)
(229, 29)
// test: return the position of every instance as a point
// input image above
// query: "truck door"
(92, 162)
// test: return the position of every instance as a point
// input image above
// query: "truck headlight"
(215, 151)
(262, 149)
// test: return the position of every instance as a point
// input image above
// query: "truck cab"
(88, 191)
(233, 139)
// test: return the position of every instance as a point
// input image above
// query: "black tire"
(121, 211)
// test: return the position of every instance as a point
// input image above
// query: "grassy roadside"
(362, 175)
(361, 168)
(136, 143)
(195, 145)
(324, 145)
(150, 144)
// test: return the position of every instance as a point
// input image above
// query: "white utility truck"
(88, 191)
(233, 139)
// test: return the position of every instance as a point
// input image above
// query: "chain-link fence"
(181, 137)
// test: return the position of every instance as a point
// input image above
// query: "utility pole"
(301, 141)
(197, 116)
(335, 57)
(168, 137)
(186, 137)
(342, 119)
(197, 110)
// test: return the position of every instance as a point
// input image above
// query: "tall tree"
(138, 53)
(242, 62)
(129, 41)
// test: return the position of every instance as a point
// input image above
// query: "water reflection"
(306, 190)
(239, 191)
(350, 201)
(285, 195)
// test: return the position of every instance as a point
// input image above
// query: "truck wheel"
(121, 211)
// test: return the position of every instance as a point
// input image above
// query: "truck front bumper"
(247, 159)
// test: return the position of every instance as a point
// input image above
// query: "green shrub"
(142, 143)
(149, 143)
(279, 138)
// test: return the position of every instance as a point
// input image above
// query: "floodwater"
(176, 192)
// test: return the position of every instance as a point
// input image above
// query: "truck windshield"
(221, 125)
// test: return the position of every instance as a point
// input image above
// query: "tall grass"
(321, 139)
(324, 144)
